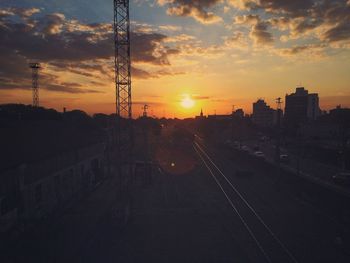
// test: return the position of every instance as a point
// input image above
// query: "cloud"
(198, 9)
(259, 29)
(69, 89)
(306, 51)
(200, 97)
(148, 48)
(144, 74)
(325, 22)
(65, 45)
(237, 40)
(21, 12)
(290, 7)
(47, 84)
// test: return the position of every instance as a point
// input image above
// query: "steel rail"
(284, 247)
(235, 209)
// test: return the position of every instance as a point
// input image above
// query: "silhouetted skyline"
(217, 52)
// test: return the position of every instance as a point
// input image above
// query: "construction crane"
(35, 82)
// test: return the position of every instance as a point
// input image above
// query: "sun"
(187, 102)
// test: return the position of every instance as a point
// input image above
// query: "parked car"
(342, 178)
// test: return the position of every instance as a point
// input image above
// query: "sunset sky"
(218, 53)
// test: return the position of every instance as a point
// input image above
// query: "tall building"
(301, 106)
(263, 115)
(313, 108)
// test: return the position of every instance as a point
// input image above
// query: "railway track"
(270, 246)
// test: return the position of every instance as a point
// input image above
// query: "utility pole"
(232, 123)
(278, 139)
(35, 82)
(122, 62)
(145, 108)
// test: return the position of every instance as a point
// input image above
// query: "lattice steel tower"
(122, 58)
(35, 82)
(124, 134)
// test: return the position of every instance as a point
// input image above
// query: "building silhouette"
(301, 106)
(64, 156)
(201, 115)
(239, 113)
(263, 115)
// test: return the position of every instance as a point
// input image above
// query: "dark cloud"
(291, 7)
(338, 33)
(312, 49)
(67, 45)
(337, 15)
(326, 20)
(197, 9)
(69, 89)
(72, 88)
(148, 48)
(199, 97)
(140, 73)
(143, 74)
(260, 33)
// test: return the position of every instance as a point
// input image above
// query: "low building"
(220, 117)
(46, 163)
(34, 190)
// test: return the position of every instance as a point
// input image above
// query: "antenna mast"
(35, 82)
(122, 59)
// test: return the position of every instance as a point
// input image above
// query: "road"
(308, 232)
(186, 217)
(313, 169)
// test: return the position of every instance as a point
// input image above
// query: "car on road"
(236, 144)
(228, 142)
(259, 154)
(342, 178)
(284, 158)
(245, 148)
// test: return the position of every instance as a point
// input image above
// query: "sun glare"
(187, 102)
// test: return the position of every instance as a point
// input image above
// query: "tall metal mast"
(35, 82)
(124, 138)
(122, 59)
